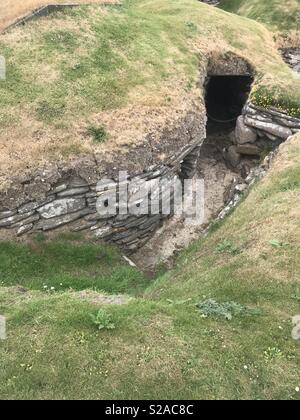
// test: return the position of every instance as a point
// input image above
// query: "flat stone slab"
(243, 133)
(61, 207)
(274, 129)
(248, 149)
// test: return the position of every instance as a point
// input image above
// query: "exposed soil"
(101, 299)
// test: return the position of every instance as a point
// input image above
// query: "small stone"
(24, 229)
(59, 189)
(232, 156)
(103, 232)
(83, 226)
(28, 207)
(77, 182)
(95, 217)
(73, 191)
(34, 218)
(248, 149)
(241, 188)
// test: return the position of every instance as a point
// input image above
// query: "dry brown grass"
(12, 10)
(147, 113)
(288, 40)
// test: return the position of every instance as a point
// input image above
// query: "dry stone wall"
(73, 203)
(259, 129)
(65, 198)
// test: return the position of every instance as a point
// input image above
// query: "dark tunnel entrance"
(226, 97)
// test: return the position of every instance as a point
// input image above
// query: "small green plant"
(103, 320)
(226, 310)
(278, 244)
(227, 247)
(273, 353)
(191, 28)
(296, 296)
(98, 134)
(179, 302)
(40, 237)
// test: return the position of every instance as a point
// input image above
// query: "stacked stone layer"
(257, 130)
(73, 203)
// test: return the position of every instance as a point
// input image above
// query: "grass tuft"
(98, 134)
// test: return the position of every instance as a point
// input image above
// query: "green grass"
(98, 134)
(98, 60)
(281, 15)
(237, 346)
(67, 264)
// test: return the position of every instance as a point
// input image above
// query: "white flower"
(297, 389)
(246, 367)
(52, 288)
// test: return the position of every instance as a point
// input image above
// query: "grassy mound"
(164, 346)
(279, 15)
(96, 79)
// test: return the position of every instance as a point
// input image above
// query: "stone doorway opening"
(226, 97)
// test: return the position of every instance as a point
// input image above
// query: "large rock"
(103, 232)
(274, 129)
(61, 207)
(243, 133)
